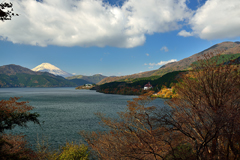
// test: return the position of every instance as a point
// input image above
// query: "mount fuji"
(47, 67)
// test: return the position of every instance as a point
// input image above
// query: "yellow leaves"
(166, 93)
(74, 151)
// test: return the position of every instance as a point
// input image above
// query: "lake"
(66, 111)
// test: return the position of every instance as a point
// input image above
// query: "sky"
(114, 37)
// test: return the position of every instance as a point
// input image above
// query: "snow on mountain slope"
(47, 67)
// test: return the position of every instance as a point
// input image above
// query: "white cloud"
(91, 22)
(73, 73)
(145, 64)
(184, 33)
(161, 63)
(164, 48)
(147, 54)
(101, 59)
(216, 19)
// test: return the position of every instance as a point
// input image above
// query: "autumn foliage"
(202, 122)
(208, 108)
(14, 113)
(166, 93)
(134, 136)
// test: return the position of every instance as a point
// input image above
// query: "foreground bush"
(15, 147)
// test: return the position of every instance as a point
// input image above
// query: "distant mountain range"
(18, 76)
(47, 67)
(81, 79)
(184, 64)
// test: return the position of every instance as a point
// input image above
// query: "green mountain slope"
(17, 76)
(138, 84)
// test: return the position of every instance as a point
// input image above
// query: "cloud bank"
(92, 22)
(88, 23)
(216, 19)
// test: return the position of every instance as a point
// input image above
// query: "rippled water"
(66, 111)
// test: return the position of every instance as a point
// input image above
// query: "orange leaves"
(11, 106)
(14, 113)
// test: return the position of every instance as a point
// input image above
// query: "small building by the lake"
(147, 86)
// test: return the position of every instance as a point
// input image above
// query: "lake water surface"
(66, 111)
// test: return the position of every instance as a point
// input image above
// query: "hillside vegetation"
(135, 87)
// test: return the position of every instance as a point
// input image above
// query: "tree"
(135, 135)
(14, 113)
(6, 11)
(208, 108)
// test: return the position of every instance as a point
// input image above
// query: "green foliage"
(166, 80)
(27, 80)
(145, 79)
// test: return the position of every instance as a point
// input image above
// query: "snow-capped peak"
(47, 67)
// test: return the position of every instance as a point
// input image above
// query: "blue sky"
(114, 37)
